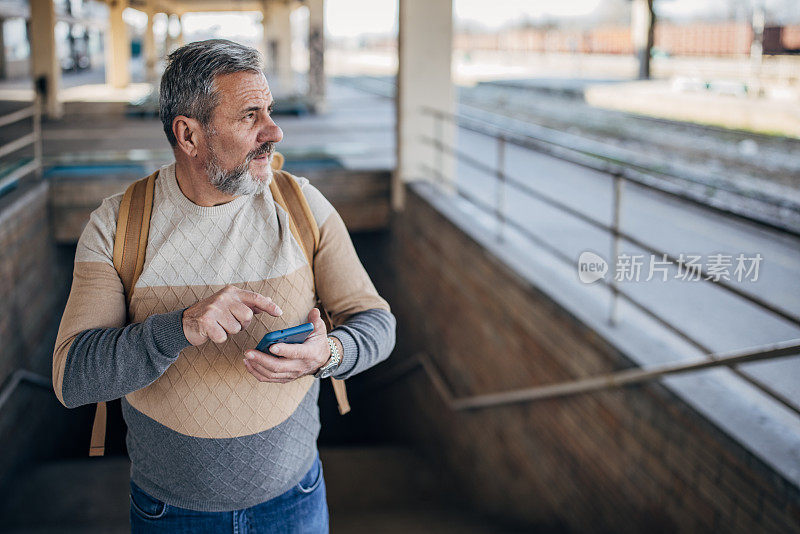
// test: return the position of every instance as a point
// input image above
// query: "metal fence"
(622, 172)
(17, 167)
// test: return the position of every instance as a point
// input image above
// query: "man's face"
(241, 135)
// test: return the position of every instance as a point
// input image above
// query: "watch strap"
(332, 363)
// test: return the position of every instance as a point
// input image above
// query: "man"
(221, 437)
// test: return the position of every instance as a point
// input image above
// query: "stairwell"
(386, 489)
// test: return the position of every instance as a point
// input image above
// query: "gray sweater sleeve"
(108, 363)
(367, 338)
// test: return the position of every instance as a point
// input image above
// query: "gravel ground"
(737, 154)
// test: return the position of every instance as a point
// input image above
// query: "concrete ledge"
(361, 197)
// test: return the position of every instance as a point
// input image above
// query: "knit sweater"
(203, 433)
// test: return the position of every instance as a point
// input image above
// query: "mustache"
(268, 147)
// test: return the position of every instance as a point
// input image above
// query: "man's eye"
(250, 115)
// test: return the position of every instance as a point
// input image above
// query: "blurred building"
(709, 39)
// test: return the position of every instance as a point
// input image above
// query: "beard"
(239, 180)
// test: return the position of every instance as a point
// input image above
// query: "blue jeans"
(302, 509)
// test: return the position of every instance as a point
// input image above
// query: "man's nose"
(270, 132)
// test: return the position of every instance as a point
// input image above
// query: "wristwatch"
(330, 366)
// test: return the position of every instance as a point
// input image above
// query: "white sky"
(347, 18)
(350, 18)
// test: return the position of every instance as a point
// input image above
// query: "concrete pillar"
(180, 40)
(2, 52)
(268, 35)
(643, 23)
(757, 51)
(172, 43)
(278, 46)
(150, 53)
(118, 46)
(316, 54)
(169, 42)
(425, 48)
(45, 68)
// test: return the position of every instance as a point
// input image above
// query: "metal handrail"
(589, 384)
(19, 376)
(16, 116)
(614, 229)
(606, 163)
(33, 138)
(617, 172)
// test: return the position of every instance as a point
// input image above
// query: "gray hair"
(187, 86)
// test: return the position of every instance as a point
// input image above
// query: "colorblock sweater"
(204, 433)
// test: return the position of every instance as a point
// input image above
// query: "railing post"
(617, 200)
(439, 147)
(500, 204)
(37, 132)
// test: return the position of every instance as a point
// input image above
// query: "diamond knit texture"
(208, 392)
(222, 474)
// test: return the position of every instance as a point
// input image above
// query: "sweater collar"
(176, 196)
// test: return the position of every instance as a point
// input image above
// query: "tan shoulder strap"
(286, 192)
(130, 244)
(133, 226)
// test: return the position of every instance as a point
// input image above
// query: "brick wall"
(361, 197)
(621, 460)
(34, 281)
(72, 199)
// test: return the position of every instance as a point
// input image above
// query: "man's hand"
(298, 359)
(227, 311)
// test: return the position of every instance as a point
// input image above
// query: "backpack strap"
(286, 192)
(133, 227)
(130, 243)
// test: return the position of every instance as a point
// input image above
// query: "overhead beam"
(201, 6)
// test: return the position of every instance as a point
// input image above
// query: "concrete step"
(374, 477)
(417, 521)
(370, 489)
(78, 495)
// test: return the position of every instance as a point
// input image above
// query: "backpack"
(130, 243)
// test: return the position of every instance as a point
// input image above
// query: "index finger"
(258, 303)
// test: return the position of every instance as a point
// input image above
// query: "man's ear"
(188, 133)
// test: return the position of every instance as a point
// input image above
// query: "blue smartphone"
(295, 334)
